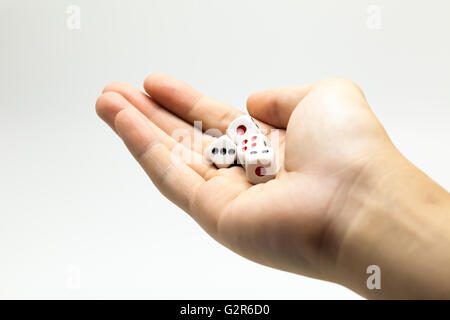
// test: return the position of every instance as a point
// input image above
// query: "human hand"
(330, 144)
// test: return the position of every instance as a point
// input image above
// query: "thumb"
(274, 106)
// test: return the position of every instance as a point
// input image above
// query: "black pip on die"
(260, 165)
(250, 142)
(222, 152)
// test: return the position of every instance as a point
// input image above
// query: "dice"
(242, 126)
(222, 152)
(250, 142)
(260, 165)
(245, 142)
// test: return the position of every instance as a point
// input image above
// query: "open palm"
(327, 136)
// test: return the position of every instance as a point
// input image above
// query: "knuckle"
(226, 118)
(339, 84)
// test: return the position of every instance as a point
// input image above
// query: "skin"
(343, 199)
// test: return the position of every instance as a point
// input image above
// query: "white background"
(78, 217)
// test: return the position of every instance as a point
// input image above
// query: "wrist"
(394, 217)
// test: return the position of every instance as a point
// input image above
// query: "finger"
(107, 108)
(203, 200)
(189, 104)
(164, 119)
(109, 104)
(171, 176)
(275, 106)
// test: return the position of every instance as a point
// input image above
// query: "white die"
(250, 142)
(242, 126)
(260, 165)
(222, 152)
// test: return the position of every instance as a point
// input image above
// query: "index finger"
(190, 104)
